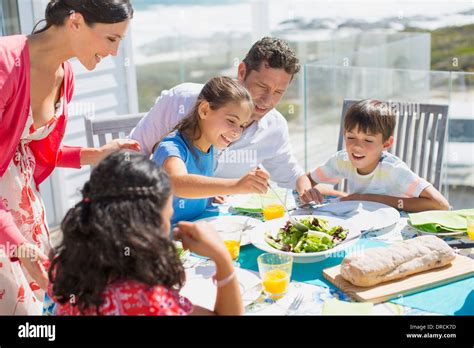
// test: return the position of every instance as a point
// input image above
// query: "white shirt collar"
(263, 123)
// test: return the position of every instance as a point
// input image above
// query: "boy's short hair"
(371, 116)
(276, 52)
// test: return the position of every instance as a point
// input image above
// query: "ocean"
(198, 19)
(143, 5)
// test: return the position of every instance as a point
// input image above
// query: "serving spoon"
(299, 226)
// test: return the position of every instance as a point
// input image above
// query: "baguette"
(397, 261)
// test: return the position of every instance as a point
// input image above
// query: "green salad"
(320, 236)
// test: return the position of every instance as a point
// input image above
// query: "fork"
(247, 225)
(297, 301)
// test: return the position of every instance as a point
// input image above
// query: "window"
(9, 19)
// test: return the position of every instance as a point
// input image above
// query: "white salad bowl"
(273, 226)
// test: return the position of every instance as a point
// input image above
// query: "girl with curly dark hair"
(116, 257)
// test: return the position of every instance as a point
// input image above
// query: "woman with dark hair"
(118, 233)
(36, 84)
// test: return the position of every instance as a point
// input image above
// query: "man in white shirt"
(266, 72)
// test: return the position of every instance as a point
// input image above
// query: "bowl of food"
(325, 236)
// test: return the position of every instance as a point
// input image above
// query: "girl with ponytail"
(36, 84)
(221, 112)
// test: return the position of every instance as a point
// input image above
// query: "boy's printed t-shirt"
(391, 177)
(199, 163)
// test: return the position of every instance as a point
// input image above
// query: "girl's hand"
(33, 260)
(201, 238)
(255, 181)
(218, 199)
(312, 195)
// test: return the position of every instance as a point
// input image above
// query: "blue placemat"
(311, 273)
(452, 299)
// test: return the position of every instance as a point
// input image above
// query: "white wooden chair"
(108, 128)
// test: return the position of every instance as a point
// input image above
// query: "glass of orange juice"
(470, 226)
(232, 237)
(275, 272)
(271, 206)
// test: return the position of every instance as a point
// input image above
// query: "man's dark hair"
(276, 52)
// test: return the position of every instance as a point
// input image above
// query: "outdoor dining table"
(307, 281)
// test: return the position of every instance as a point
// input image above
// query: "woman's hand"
(119, 144)
(34, 260)
(255, 181)
(93, 156)
(201, 238)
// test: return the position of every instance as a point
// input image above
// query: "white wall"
(108, 90)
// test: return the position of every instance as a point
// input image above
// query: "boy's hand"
(312, 195)
(354, 197)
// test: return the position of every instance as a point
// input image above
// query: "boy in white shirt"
(372, 173)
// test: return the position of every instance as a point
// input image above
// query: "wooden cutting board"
(462, 267)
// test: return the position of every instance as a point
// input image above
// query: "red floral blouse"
(133, 298)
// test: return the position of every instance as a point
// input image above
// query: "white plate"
(200, 289)
(220, 222)
(439, 234)
(273, 226)
(365, 214)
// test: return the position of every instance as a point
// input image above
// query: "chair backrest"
(115, 126)
(420, 137)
